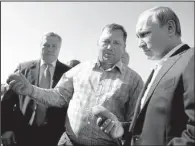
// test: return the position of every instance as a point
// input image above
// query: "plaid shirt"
(87, 85)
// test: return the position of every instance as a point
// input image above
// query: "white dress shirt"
(157, 68)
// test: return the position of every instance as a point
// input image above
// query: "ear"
(171, 27)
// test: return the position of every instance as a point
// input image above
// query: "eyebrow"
(141, 33)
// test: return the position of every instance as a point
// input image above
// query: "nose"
(141, 43)
(110, 46)
(50, 48)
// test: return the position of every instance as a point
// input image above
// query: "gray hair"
(52, 34)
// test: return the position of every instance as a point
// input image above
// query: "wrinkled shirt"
(88, 85)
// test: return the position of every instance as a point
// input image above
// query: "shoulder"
(132, 73)
(28, 64)
(85, 65)
(189, 57)
(62, 65)
(134, 79)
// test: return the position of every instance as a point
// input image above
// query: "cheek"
(57, 51)
(44, 50)
(101, 50)
(154, 42)
(118, 52)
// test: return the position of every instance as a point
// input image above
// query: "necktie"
(46, 77)
(44, 83)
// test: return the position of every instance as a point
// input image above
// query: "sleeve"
(136, 88)
(8, 100)
(188, 134)
(61, 94)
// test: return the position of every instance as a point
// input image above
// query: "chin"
(49, 60)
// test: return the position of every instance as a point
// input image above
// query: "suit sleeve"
(9, 100)
(188, 134)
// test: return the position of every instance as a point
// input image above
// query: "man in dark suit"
(164, 114)
(25, 122)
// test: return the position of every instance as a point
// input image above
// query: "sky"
(79, 24)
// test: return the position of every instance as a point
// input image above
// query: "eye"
(105, 41)
(46, 45)
(116, 42)
(144, 34)
(53, 46)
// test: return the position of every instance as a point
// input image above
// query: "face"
(50, 49)
(152, 38)
(112, 46)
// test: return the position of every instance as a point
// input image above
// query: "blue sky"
(79, 24)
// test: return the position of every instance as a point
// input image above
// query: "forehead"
(146, 22)
(115, 34)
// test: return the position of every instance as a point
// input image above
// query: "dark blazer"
(167, 117)
(16, 111)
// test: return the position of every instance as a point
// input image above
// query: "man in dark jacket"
(25, 122)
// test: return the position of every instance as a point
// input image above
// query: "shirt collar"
(118, 65)
(53, 63)
(161, 61)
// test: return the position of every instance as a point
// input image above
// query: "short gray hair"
(53, 34)
(114, 26)
(163, 15)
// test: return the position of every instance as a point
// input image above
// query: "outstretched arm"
(59, 96)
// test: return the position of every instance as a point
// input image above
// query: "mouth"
(49, 54)
(108, 54)
(146, 50)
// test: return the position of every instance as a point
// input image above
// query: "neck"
(106, 66)
(174, 42)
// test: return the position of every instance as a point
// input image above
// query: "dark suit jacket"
(167, 117)
(16, 111)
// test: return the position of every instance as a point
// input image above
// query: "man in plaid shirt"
(105, 82)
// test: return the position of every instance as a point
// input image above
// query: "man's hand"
(18, 83)
(108, 122)
(8, 138)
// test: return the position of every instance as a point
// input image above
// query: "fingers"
(13, 76)
(117, 131)
(99, 121)
(109, 127)
(6, 142)
(17, 76)
(14, 84)
(13, 139)
(105, 124)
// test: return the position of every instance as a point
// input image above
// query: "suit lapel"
(57, 73)
(33, 75)
(165, 68)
